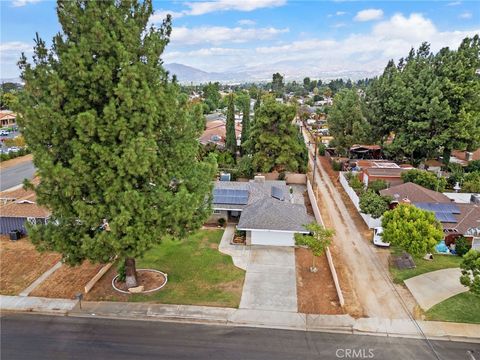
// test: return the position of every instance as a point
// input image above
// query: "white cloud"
(369, 15)
(340, 13)
(338, 25)
(246, 22)
(454, 3)
(10, 54)
(205, 7)
(220, 34)
(20, 3)
(465, 15)
(413, 28)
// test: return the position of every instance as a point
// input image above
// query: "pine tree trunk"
(130, 273)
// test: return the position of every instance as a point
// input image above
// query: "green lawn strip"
(464, 307)
(198, 274)
(423, 266)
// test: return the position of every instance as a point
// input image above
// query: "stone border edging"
(146, 291)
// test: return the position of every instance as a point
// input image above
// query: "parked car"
(377, 237)
(4, 133)
(14, 149)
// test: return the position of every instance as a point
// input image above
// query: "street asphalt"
(29, 336)
(15, 175)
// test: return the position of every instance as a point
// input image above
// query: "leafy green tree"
(211, 94)
(346, 121)
(471, 271)
(377, 185)
(317, 241)
(8, 100)
(462, 246)
(115, 148)
(275, 142)
(231, 137)
(373, 204)
(278, 85)
(425, 178)
(471, 182)
(473, 166)
(415, 230)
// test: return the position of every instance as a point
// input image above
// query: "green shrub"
(321, 149)
(282, 175)
(222, 222)
(473, 166)
(462, 246)
(377, 185)
(336, 166)
(356, 183)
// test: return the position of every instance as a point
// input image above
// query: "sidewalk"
(246, 317)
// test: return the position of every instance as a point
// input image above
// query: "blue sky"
(307, 37)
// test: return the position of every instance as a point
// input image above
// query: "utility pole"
(314, 162)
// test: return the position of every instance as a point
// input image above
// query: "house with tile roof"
(265, 210)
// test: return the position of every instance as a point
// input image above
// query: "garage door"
(272, 238)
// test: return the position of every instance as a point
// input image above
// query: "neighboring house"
(365, 152)
(19, 207)
(7, 118)
(466, 156)
(381, 170)
(264, 209)
(215, 133)
(457, 219)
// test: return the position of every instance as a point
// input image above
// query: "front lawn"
(423, 266)
(464, 307)
(198, 274)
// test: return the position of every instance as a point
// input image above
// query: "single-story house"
(19, 207)
(265, 210)
(371, 170)
(215, 133)
(457, 219)
(7, 118)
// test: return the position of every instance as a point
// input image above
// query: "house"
(464, 157)
(381, 170)
(7, 118)
(365, 152)
(457, 219)
(265, 210)
(215, 133)
(19, 207)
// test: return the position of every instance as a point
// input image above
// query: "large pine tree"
(114, 144)
(275, 142)
(245, 123)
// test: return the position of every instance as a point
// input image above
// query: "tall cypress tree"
(231, 138)
(245, 123)
(114, 144)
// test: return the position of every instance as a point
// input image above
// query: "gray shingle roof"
(265, 212)
(273, 214)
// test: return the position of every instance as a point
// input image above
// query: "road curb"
(343, 324)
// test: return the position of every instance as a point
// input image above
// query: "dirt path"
(374, 291)
(12, 162)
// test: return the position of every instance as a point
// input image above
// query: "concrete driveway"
(270, 281)
(432, 288)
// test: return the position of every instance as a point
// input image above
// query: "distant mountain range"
(188, 74)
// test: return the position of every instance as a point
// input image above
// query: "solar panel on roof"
(446, 217)
(277, 193)
(230, 196)
(440, 208)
